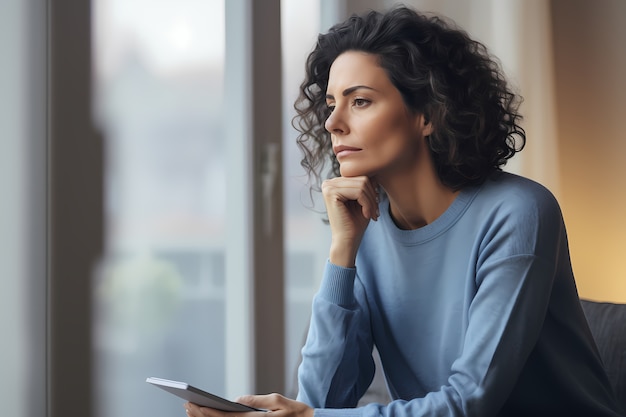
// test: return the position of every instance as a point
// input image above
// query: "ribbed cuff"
(338, 284)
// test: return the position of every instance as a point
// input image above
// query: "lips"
(341, 150)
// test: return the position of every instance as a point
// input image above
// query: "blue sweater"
(475, 314)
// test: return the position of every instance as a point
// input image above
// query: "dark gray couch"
(607, 322)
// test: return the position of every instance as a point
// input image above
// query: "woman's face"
(373, 133)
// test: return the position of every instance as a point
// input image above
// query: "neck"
(417, 197)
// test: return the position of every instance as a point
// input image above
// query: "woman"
(458, 272)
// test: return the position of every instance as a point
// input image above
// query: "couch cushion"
(607, 322)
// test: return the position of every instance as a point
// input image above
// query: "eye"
(360, 102)
(330, 107)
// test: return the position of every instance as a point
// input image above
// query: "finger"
(278, 405)
(367, 196)
(266, 402)
(359, 189)
(194, 410)
(372, 190)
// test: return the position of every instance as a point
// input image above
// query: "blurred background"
(155, 217)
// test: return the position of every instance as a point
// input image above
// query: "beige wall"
(590, 64)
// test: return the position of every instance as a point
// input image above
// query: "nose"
(335, 123)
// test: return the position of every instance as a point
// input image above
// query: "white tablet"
(197, 396)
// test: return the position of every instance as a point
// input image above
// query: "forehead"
(356, 68)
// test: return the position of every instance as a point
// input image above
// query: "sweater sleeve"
(337, 365)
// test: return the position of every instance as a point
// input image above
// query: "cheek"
(392, 135)
(378, 131)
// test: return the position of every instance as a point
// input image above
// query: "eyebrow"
(350, 90)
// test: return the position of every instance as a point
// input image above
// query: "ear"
(424, 126)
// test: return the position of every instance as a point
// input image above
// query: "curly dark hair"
(441, 73)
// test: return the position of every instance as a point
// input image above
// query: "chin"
(349, 169)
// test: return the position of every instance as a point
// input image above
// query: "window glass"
(23, 183)
(306, 236)
(159, 297)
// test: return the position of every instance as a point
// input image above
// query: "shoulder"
(516, 215)
(511, 194)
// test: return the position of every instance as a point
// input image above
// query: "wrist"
(342, 254)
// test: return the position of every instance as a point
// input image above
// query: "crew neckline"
(431, 230)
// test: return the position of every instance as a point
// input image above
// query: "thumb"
(265, 402)
(245, 399)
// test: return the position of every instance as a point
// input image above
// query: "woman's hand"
(278, 405)
(350, 203)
